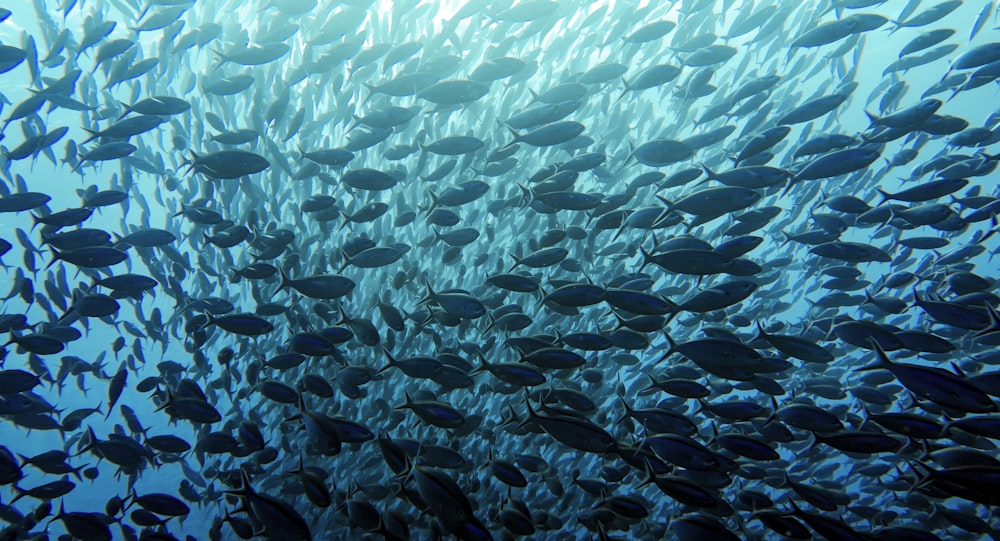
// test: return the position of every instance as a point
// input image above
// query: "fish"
(607, 270)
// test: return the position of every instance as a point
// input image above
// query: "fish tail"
(282, 284)
(483, 366)
(517, 137)
(671, 350)
(881, 361)
(760, 331)
(647, 258)
(191, 164)
(372, 90)
(56, 256)
(631, 155)
(994, 324)
(628, 410)
(434, 201)
(527, 196)
(788, 187)
(886, 196)
(517, 261)
(430, 296)
(710, 174)
(925, 477)
(871, 117)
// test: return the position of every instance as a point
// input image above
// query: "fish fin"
(517, 261)
(56, 256)
(760, 332)
(647, 258)
(434, 201)
(917, 301)
(774, 410)
(711, 174)
(631, 155)
(527, 195)
(517, 137)
(882, 360)
(282, 284)
(994, 324)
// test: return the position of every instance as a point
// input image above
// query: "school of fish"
(540, 269)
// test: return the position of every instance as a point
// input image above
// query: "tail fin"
(282, 284)
(881, 361)
(886, 196)
(56, 256)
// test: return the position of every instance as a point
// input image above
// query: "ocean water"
(636, 212)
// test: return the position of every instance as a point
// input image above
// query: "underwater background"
(291, 269)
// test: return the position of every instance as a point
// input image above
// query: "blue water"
(561, 47)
